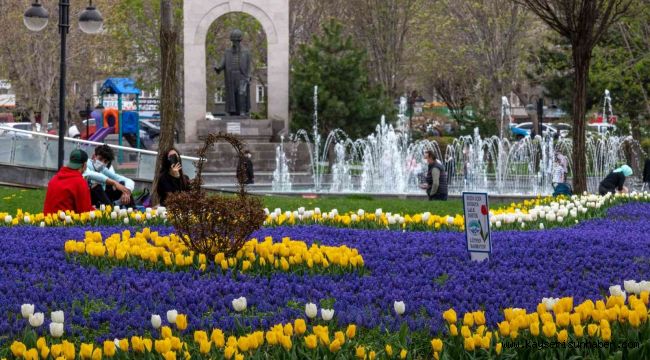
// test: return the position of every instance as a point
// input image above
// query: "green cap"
(78, 158)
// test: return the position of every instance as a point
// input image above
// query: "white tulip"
(129, 210)
(498, 224)
(335, 212)
(399, 307)
(317, 211)
(126, 220)
(450, 220)
(113, 215)
(138, 217)
(327, 314)
(361, 212)
(631, 286)
(42, 224)
(541, 226)
(26, 219)
(102, 207)
(156, 321)
(61, 215)
(391, 220)
(426, 216)
(274, 216)
(116, 341)
(615, 290)
(37, 319)
(295, 214)
(378, 212)
(644, 286)
(92, 215)
(354, 218)
(324, 216)
(277, 211)
(27, 310)
(124, 213)
(56, 330)
(147, 210)
(287, 214)
(301, 210)
(266, 211)
(160, 210)
(171, 316)
(148, 216)
(311, 310)
(68, 219)
(239, 304)
(8, 219)
(550, 302)
(523, 225)
(560, 219)
(58, 316)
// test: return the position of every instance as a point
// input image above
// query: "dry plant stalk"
(217, 223)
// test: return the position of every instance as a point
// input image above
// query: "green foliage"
(346, 99)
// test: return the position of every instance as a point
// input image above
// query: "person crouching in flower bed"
(171, 175)
(68, 190)
(436, 178)
(614, 182)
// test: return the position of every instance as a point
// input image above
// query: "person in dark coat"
(172, 178)
(614, 182)
(436, 178)
(245, 168)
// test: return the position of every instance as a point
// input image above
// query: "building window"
(218, 96)
(259, 94)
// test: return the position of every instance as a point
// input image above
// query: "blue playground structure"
(111, 121)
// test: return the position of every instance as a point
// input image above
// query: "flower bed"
(149, 250)
(430, 272)
(538, 213)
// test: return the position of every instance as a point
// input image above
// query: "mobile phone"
(174, 159)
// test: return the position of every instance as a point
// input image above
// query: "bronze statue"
(237, 63)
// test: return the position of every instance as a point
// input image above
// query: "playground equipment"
(124, 123)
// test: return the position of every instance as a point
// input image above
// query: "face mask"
(98, 165)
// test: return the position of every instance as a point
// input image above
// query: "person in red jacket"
(68, 190)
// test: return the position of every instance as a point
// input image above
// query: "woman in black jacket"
(172, 178)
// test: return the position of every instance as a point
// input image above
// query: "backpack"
(562, 189)
(144, 199)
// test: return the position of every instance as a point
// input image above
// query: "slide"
(101, 134)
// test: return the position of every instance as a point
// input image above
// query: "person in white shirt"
(106, 186)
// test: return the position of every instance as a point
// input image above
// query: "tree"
(346, 99)
(168, 94)
(383, 26)
(583, 23)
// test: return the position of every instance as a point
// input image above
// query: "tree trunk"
(45, 115)
(581, 59)
(168, 113)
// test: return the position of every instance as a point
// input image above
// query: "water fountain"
(281, 177)
(388, 162)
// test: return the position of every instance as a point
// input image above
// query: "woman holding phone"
(172, 178)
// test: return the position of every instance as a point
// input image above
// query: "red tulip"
(484, 210)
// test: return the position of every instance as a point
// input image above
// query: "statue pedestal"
(249, 130)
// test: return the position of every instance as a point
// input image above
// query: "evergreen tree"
(346, 99)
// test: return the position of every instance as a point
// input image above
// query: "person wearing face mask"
(67, 190)
(106, 186)
(245, 168)
(171, 178)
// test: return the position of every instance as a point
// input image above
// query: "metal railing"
(40, 150)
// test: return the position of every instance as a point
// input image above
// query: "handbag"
(144, 199)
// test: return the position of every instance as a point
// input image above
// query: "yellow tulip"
(606, 334)
(465, 332)
(534, 329)
(372, 355)
(453, 330)
(124, 345)
(469, 344)
(504, 328)
(549, 329)
(389, 350)
(436, 345)
(633, 318)
(31, 354)
(468, 319)
(351, 331)
(578, 330)
(498, 348)
(170, 355)
(403, 353)
(204, 346)
(592, 329)
(86, 351)
(300, 326)
(109, 348)
(479, 317)
(311, 342)
(450, 316)
(97, 354)
(18, 349)
(181, 322)
(360, 352)
(563, 336)
(45, 352)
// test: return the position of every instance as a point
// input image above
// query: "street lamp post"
(90, 22)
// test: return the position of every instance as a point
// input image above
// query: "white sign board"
(477, 225)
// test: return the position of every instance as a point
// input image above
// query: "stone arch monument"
(198, 15)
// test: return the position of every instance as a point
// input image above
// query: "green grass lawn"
(31, 201)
